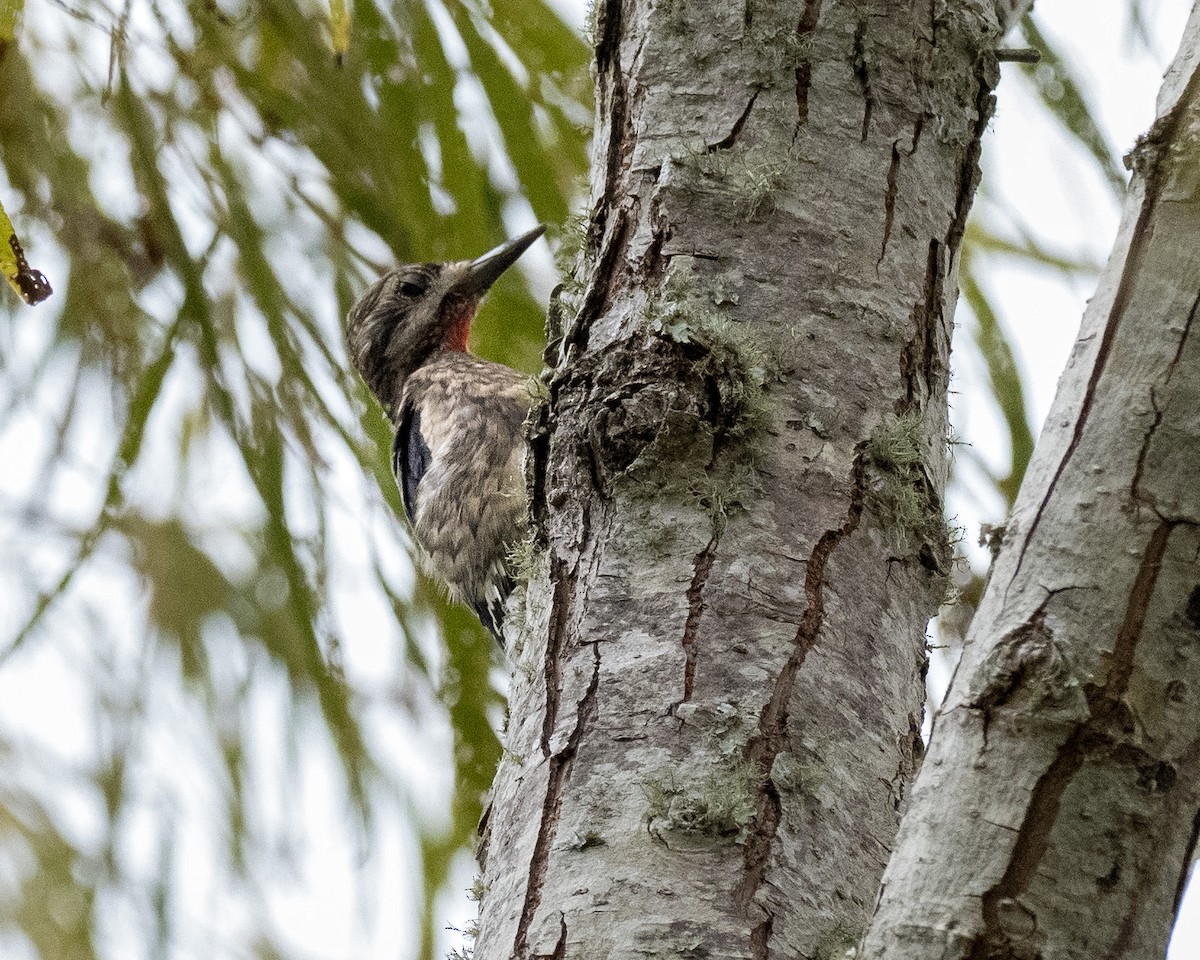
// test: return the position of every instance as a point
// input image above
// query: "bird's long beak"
(486, 270)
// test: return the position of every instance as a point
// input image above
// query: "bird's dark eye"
(411, 288)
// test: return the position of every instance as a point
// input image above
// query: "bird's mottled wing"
(410, 457)
(462, 426)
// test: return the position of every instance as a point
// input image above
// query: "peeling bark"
(735, 341)
(1057, 812)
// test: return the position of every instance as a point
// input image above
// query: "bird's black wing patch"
(491, 612)
(410, 458)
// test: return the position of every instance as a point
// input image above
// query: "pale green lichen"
(568, 258)
(525, 560)
(963, 58)
(721, 492)
(776, 50)
(585, 840)
(731, 355)
(528, 565)
(794, 775)
(900, 493)
(751, 175)
(470, 933)
(719, 803)
(566, 298)
(837, 942)
(707, 453)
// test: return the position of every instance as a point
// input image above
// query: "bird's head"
(412, 312)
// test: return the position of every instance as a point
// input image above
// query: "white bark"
(718, 684)
(1059, 806)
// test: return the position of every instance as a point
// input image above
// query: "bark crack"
(764, 747)
(612, 90)
(804, 31)
(560, 946)
(760, 936)
(1136, 486)
(701, 567)
(862, 75)
(602, 282)
(889, 201)
(918, 354)
(970, 173)
(609, 239)
(738, 124)
(918, 129)
(1185, 871)
(1107, 712)
(561, 608)
(560, 770)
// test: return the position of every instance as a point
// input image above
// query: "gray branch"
(1059, 807)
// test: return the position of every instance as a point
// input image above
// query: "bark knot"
(1026, 669)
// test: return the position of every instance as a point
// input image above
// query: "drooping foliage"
(199, 494)
(209, 604)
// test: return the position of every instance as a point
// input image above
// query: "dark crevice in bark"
(1140, 240)
(918, 355)
(736, 132)
(1192, 609)
(918, 129)
(1185, 871)
(987, 73)
(918, 358)
(889, 201)
(1032, 841)
(1136, 486)
(564, 582)
(763, 748)
(602, 284)
(1183, 339)
(701, 567)
(653, 263)
(760, 936)
(862, 75)
(560, 945)
(1121, 661)
(804, 31)
(1124, 938)
(609, 238)
(611, 83)
(1100, 732)
(1155, 171)
(538, 437)
(560, 770)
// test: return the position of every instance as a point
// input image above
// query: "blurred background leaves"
(201, 497)
(225, 693)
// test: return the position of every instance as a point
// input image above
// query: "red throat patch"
(459, 314)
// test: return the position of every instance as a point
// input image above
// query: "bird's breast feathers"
(459, 459)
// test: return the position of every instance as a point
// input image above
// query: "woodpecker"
(459, 421)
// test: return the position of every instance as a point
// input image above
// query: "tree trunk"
(1059, 807)
(737, 479)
